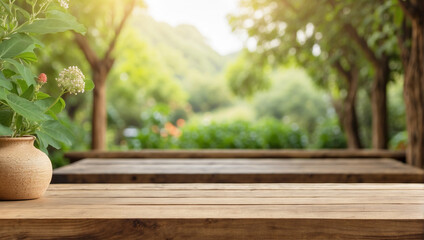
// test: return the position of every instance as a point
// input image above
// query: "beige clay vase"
(25, 171)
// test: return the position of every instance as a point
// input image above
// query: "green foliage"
(264, 134)
(399, 141)
(395, 114)
(319, 36)
(329, 135)
(27, 109)
(364, 114)
(238, 110)
(80, 141)
(302, 32)
(140, 80)
(246, 76)
(155, 64)
(207, 96)
(396, 108)
(159, 65)
(24, 109)
(293, 98)
(55, 21)
(17, 45)
(155, 129)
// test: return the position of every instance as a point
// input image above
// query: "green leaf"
(29, 93)
(4, 82)
(41, 95)
(24, 71)
(6, 116)
(8, 73)
(89, 85)
(55, 21)
(3, 93)
(55, 130)
(17, 45)
(28, 56)
(46, 140)
(23, 86)
(16, 87)
(45, 103)
(38, 144)
(5, 130)
(59, 106)
(25, 108)
(55, 109)
(19, 121)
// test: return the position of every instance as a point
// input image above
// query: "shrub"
(264, 134)
(329, 135)
(399, 141)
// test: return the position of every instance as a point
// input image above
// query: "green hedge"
(264, 134)
(329, 135)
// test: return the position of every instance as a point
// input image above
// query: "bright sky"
(208, 16)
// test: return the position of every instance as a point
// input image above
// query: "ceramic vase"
(25, 171)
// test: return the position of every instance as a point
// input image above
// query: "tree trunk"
(379, 106)
(101, 68)
(99, 117)
(414, 93)
(346, 113)
(413, 62)
(346, 110)
(379, 89)
(350, 123)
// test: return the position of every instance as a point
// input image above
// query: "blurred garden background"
(194, 74)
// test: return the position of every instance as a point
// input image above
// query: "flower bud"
(42, 78)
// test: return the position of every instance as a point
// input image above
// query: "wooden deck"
(334, 170)
(240, 153)
(218, 211)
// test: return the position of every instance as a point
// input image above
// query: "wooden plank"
(280, 186)
(239, 153)
(238, 171)
(218, 211)
(212, 229)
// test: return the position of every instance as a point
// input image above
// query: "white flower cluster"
(64, 3)
(71, 80)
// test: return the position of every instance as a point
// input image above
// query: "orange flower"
(172, 130)
(180, 122)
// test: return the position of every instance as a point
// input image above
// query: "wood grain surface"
(240, 153)
(218, 211)
(333, 170)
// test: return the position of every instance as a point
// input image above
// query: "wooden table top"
(219, 211)
(240, 153)
(378, 170)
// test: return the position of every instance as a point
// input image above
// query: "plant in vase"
(28, 114)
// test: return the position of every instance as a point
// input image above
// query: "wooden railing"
(239, 153)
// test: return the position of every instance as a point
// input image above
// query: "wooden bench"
(218, 211)
(240, 153)
(189, 170)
